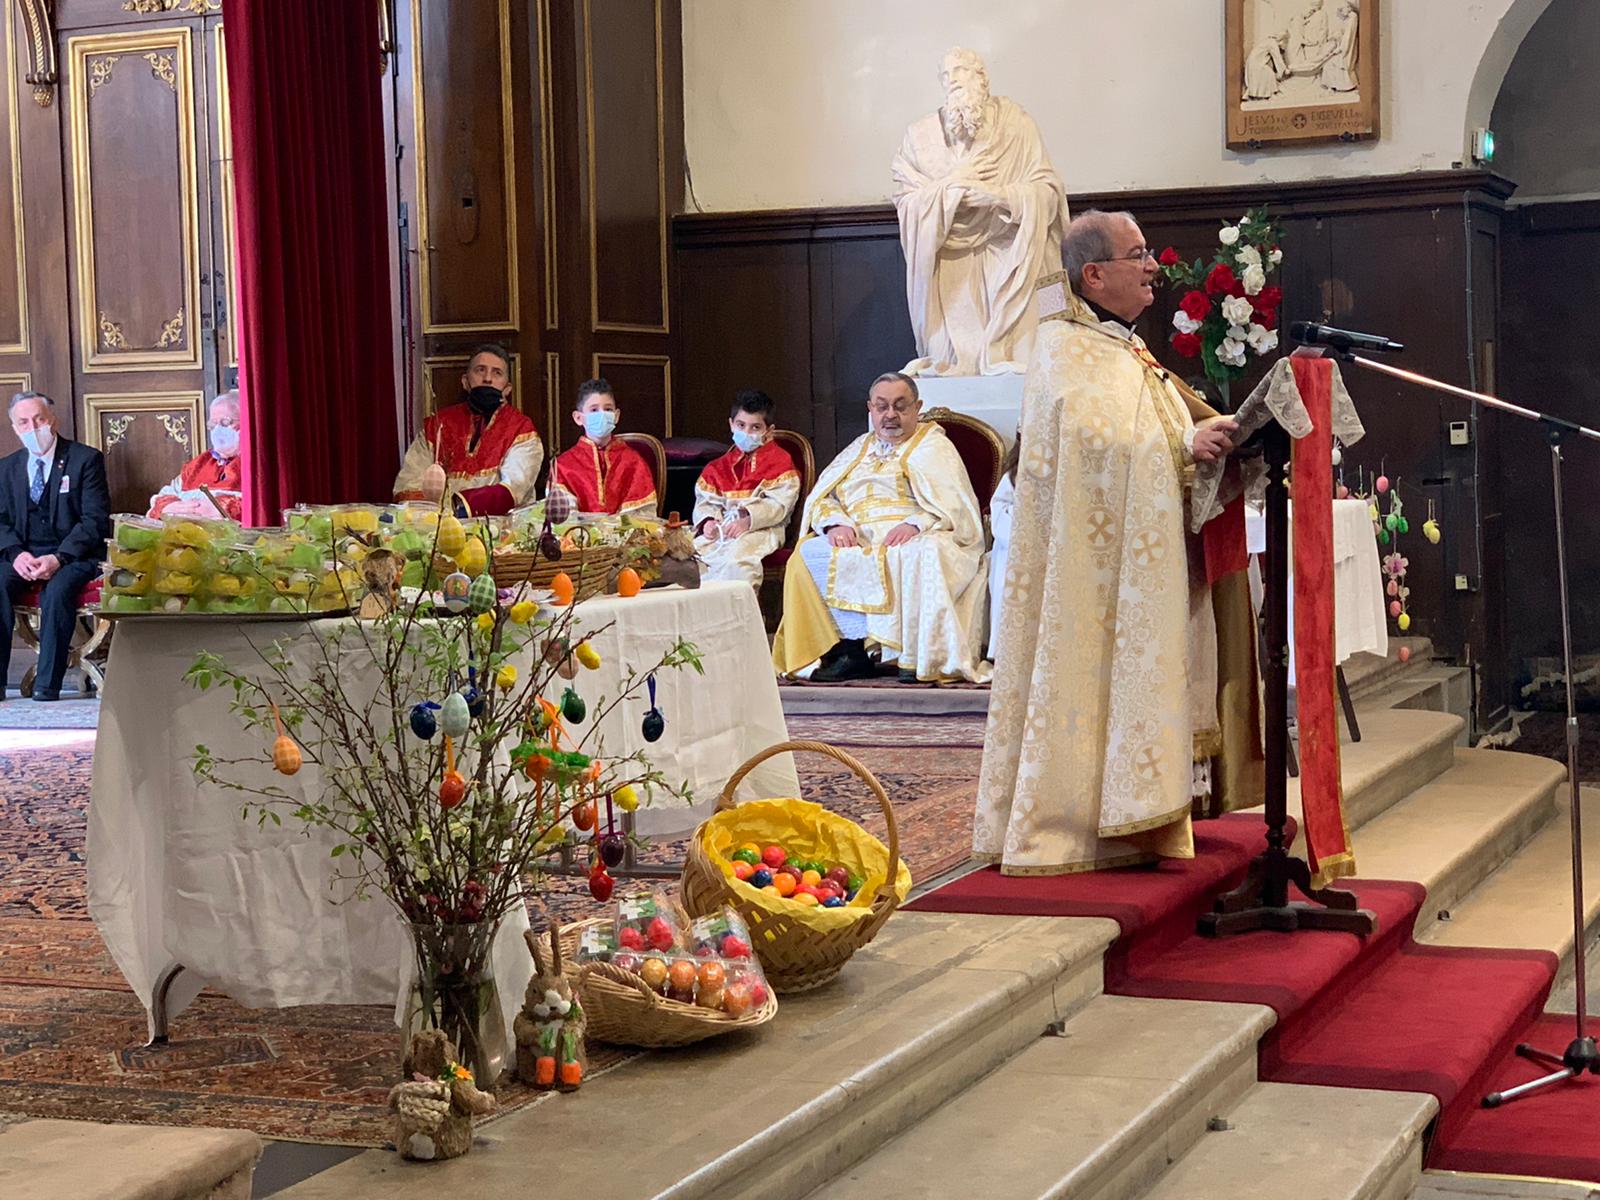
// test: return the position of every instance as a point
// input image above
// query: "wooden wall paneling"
(12, 382)
(1549, 359)
(13, 254)
(871, 328)
(644, 389)
(1487, 618)
(135, 201)
(224, 292)
(465, 150)
(85, 14)
(145, 436)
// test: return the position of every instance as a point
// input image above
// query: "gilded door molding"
(182, 414)
(547, 166)
(508, 127)
(225, 154)
(14, 382)
(20, 346)
(106, 342)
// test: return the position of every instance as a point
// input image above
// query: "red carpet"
(1382, 1013)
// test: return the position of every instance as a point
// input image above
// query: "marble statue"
(1317, 50)
(982, 215)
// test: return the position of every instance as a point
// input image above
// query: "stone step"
(1311, 1143)
(89, 1161)
(1527, 903)
(1435, 686)
(1454, 831)
(1098, 1111)
(1400, 751)
(1364, 673)
(1452, 1185)
(935, 1003)
(890, 700)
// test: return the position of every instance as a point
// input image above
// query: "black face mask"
(484, 400)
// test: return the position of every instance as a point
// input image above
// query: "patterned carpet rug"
(72, 1034)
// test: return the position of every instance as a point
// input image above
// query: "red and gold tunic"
(492, 476)
(610, 479)
(763, 486)
(220, 477)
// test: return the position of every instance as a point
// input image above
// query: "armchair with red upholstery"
(980, 447)
(88, 639)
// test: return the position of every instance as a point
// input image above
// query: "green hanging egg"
(1405, 525)
(1383, 537)
(481, 594)
(1391, 522)
(573, 707)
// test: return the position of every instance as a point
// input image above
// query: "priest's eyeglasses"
(1136, 257)
(900, 406)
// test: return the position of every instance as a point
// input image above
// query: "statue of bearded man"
(982, 215)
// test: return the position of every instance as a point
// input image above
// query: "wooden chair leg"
(1347, 704)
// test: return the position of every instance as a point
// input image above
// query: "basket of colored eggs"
(812, 886)
(663, 996)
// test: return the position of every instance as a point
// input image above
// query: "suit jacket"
(75, 494)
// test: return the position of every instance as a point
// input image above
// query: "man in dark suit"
(55, 516)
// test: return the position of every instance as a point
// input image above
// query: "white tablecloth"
(177, 876)
(1359, 606)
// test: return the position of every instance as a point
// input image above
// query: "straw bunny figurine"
(433, 1108)
(550, 1028)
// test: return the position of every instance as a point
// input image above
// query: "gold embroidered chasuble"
(1103, 717)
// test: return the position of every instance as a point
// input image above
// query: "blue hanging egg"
(423, 722)
(654, 725)
(476, 700)
(454, 716)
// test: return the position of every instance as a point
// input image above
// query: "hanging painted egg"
(1343, 492)
(1405, 653)
(1391, 523)
(1392, 588)
(587, 655)
(522, 612)
(1405, 526)
(474, 557)
(1382, 484)
(549, 547)
(476, 700)
(454, 716)
(1430, 530)
(612, 849)
(433, 481)
(452, 539)
(626, 798)
(423, 723)
(1404, 622)
(285, 755)
(584, 816)
(573, 707)
(558, 505)
(628, 582)
(601, 885)
(1394, 608)
(1338, 456)
(452, 789)
(481, 594)
(561, 589)
(1372, 512)
(653, 726)
(1383, 537)
(456, 588)
(506, 677)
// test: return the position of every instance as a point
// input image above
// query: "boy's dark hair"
(592, 387)
(755, 402)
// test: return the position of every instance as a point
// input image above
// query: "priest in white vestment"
(982, 215)
(1103, 719)
(893, 557)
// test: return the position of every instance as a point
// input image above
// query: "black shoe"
(44, 697)
(852, 663)
(907, 675)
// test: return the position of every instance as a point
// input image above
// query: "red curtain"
(316, 366)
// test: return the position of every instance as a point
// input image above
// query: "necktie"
(37, 489)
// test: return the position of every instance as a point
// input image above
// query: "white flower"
(1248, 256)
(1231, 352)
(1238, 332)
(1254, 279)
(1275, 257)
(1229, 235)
(1236, 310)
(1263, 341)
(1184, 323)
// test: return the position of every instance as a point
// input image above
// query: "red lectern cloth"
(1311, 469)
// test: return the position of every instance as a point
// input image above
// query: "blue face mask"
(748, 443)
(599, 422)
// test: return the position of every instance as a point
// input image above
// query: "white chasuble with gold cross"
(1101, 703)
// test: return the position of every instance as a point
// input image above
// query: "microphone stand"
(1581, 1054)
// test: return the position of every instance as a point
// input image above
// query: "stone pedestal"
(995, 400)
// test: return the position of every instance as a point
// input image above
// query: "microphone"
(1308, 333)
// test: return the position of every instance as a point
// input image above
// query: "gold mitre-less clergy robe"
(1103, 717)
(922, 603)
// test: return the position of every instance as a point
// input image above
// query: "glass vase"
(455, 991)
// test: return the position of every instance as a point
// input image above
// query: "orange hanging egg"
(285, 755)
(561, 589)
(452, 789)
(584, 816)
(628, 582)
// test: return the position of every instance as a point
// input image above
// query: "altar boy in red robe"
(602, 473)
(743, 500)
(490, 451)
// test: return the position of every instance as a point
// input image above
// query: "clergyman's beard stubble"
(963, 111)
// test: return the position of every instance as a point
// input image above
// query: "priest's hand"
(737, 527)
(901, 534)
(841, 535)
(1214, 440)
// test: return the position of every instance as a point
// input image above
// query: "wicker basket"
(590, 568)
(795, 956)
(621, 1009)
